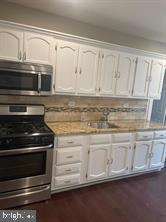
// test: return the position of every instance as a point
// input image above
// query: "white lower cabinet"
(83, 159)
(98, 161)
(158, 153)
(141, 155)
(120, 156)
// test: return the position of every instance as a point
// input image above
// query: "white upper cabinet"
(120, 159)
(156, 78)
(98, 161)
(66, 66)
(141, 155)
(87, 70)
(142, 77)
(11, 44)
(38, 48)
(158, 153)
(108, 72)
(125, 74)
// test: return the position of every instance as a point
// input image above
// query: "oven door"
(25, 167)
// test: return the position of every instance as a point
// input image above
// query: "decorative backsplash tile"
(58, 108)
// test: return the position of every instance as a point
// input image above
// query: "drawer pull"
(67, 181)
(145, 136)
(69, 157)
(68, 170)
(161, 135)
(70, 142)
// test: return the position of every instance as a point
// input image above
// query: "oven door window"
(22, 165)
(18, 81)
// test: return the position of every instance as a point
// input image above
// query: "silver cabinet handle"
(70, 142)
(69, 157)
(24, 56)
(67, 181)
(75, 70)
(68, 170)
(150, 78)
(80, 71)
(19, 55)
(39, 82)
(118, 75)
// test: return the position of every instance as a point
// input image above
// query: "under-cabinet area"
(85, 66)
(83, 159)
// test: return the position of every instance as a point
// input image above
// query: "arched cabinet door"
(141, 155)
(38, 48)
(66, 66)
(119, 159)
(98, 162)
(108, 73)
(87, 70)
(11, 44)
(125, 74)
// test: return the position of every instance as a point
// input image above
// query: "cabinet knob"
(24, 56)
(19, 55)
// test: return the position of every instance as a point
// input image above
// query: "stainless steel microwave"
(25, 78)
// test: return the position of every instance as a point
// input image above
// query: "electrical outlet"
(125, 105)
(71, 103)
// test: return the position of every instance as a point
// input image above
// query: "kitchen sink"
(102, 125)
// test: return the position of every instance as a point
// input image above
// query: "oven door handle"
(25, 150)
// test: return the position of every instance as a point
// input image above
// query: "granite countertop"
(75, 128)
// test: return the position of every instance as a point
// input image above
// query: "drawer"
(100, 139)
(144, 135)
(70, 141)
(67, 180)
(67, 169)
(68, 155)
(159, 134)
(121, 137)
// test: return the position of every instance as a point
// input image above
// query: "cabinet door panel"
(120, 159)
(141, 155)
(141, 82)
(98, 161)
(11, 44)
(108, 72)
(87, 73)
(158, 153)
(38, 48)
(156, 78)
(126, 68)
(66, 67)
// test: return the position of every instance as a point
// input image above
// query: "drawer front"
(68, 155)
(144, 135)
(67, 180)
(70, 141)
(68, 169)
(100, 139)
(121, 137)
(160, 134)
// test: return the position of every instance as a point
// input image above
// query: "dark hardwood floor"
(137, 199)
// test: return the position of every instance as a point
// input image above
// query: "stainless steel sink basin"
(102, 125)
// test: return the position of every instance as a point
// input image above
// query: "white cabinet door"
(38, 48)
(11, 44)
(119, 159)
(87, 72)
(158, 153)
(141, 155)
(66, 67)
(98, 161)
(142, 76)
(156, 78)
(125, 74)
(108, 72)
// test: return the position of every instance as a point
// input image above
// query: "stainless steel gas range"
(26, 151)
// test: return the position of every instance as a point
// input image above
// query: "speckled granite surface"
(74, 128)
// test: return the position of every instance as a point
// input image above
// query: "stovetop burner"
(22, 128)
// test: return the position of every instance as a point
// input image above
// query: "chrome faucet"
(104, 116)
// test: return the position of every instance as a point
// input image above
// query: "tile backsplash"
(76, 108)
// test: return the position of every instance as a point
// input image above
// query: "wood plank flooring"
(137, 199)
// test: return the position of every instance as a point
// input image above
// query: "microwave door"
(16, 82)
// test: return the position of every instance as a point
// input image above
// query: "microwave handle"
(39, 82)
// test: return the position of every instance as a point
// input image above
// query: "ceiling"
(144, 18)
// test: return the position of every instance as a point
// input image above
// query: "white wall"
(20, 14)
